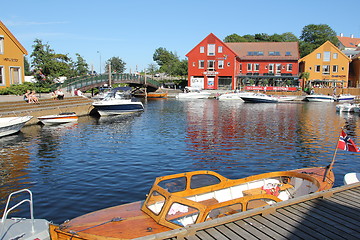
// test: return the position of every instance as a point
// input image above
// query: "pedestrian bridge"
(85, 83)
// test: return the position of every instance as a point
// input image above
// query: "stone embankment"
(47, 106)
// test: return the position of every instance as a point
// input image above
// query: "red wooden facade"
(213, 64)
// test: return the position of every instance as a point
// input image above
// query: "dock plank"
(215, 233)
(231, 234)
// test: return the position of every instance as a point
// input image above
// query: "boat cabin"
(187, 198)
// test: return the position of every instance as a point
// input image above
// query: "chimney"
(341, 34)
(352, 35)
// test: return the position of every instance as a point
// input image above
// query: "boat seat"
(256, 191)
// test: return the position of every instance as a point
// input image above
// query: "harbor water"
(102, 162)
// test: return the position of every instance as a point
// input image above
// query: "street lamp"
(100, 60)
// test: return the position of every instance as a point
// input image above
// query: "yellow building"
(327, 66)
(11, 58)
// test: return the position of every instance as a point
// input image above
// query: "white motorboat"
(286, 98)
(345, 98)
(350, 178)
(11, 125)
(65, 117)
(23, 228)
(319, 98)
(260, 98)
(118, 101)
(234, 96)
(347, 107)
(193, 93)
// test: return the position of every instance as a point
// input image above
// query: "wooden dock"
(331, 214)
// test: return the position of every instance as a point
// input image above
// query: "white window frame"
(317, 68)
(211, 50)
(249, 67)
(289, 67)
(318, 56)
(271, 68)
(201, 64)
(221, 64)
(335, 55)
(326, 57)
(2, 75)
(211, 65)
(1, 44)
(335, 68)
(202, 49)
(326, 69)
(256, 67)
(220, 49)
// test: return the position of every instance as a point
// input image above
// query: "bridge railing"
(81, 82)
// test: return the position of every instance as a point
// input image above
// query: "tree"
(313, 36)
(27, 67)
(234, 38)
(152, 68)
(80, 66)
(166, 60)
(117, 65)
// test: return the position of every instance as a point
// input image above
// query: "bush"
(20, 89)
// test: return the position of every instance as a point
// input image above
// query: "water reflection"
(100, 162)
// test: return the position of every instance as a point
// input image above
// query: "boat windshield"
(117, 95)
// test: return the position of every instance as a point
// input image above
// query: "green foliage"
(169, 62)
(20, 89)
(80, 67)
(152, 68)
(27, 67)
(262, 37)
(117, 65)
(313, 36)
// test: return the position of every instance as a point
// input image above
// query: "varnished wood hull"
(129, 221)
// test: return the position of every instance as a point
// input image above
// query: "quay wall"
(81, 106)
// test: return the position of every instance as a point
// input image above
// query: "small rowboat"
(65, 117)
(156, 94)
(183, 199)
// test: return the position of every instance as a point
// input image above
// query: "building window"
(335, 69)
(201, 64)
(318, 56)
(326, 70)
(256, 67)
(274, 53)
(194, 64)
(289, 67)
(202, 49)
(271, 68)
(211, 65)
(211, 49)
(228, 64)
(326, 57)
(288, 54)
(220, 49)
(317, 68)
(1, 44)
(335, 56)
(249, 67)
(221, 64)
(2, 77)
(240, 67)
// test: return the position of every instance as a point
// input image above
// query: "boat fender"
(272, 189)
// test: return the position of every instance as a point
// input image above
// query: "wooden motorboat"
(11, 125)
(156, 94)
(64, 117)
(183, 199)
(22, 228)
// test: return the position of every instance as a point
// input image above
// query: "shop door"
(14, 75)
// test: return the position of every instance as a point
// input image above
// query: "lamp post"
(100, 61)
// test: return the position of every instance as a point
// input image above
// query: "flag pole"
(330, 166)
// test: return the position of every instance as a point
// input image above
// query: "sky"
(133, 29)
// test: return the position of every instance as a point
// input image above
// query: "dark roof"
(265, 50)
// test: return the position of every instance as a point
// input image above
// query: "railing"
(85, 81)
(7, 211)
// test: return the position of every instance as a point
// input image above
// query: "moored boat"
(351, 178)
(118, 101)
(234, 96)
(11, 125)
(180, 200)
(347, 107)
(23, 228)
(319, 98)
(64, 117)
(345, 98)
(259, 98)
(193, 93)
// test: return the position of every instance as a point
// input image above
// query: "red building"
(213, 64)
